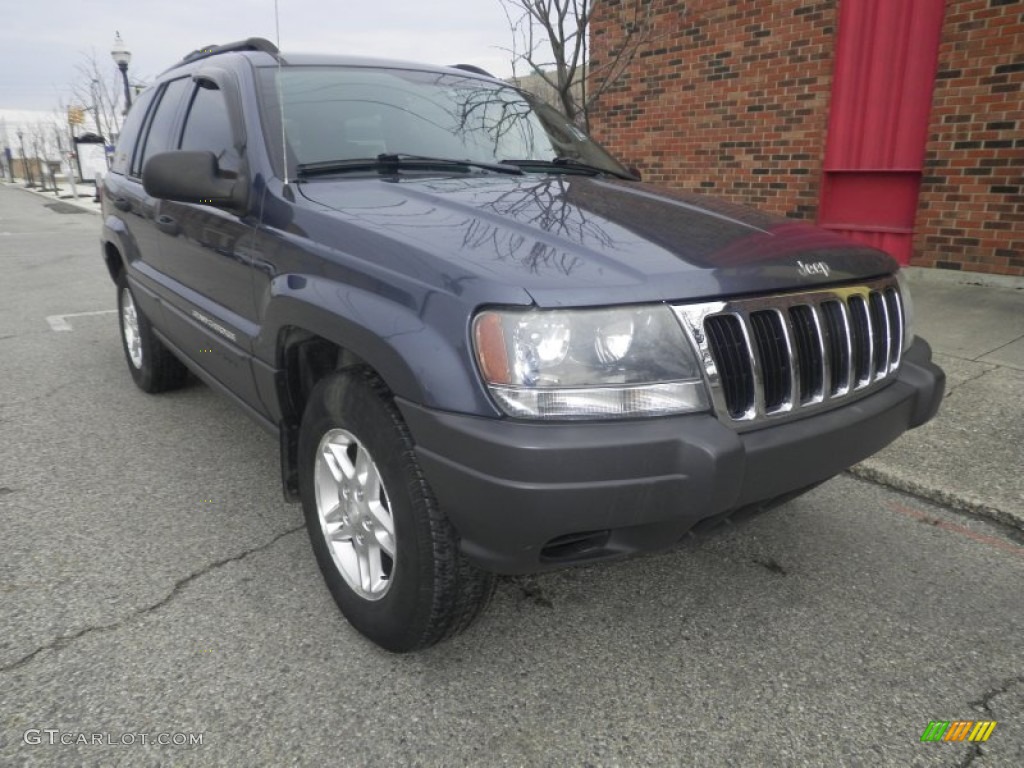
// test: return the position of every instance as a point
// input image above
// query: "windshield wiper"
(392, 163)
(571, 164)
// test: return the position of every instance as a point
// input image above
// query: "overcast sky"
(43, 40)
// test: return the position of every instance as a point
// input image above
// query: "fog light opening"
(575, 546)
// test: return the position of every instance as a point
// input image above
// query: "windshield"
(344, 113)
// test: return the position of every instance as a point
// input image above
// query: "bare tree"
(98, 88)
(38, 141)
(550, 38)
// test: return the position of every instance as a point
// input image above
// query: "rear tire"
(389, 556)
(153, 367)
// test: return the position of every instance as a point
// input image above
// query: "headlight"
(908, 309)
(588, 364)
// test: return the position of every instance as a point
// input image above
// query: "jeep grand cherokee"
(485, 346)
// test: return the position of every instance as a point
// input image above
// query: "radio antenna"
(280, 93)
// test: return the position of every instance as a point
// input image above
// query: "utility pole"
(75, 117)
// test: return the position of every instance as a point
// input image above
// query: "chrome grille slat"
(895, 309)
(826, 363)
(782, 356)
(755, 365)
(880, 314)
(794, 359)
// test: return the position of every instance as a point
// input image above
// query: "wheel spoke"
(334, 514)
(381, 517)
(364, 563)
(370, 483)
(336, 458)
(364, 468)
(376, 571)
(385, 541)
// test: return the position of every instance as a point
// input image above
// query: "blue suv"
(485, 345)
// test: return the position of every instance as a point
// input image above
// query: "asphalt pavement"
(153, 582)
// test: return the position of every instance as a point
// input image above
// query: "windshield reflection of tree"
(503, 117)
(464, 118)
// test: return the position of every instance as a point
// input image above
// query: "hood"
(571, 240)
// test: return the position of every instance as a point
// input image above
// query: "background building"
(899, 123)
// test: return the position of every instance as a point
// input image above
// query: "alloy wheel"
(130, 328)
(355, 514)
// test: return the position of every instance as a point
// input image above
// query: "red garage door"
(886, 56)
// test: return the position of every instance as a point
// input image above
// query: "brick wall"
(971, 212)
(731, 97)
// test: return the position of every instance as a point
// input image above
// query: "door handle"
(168, 225)
(122, 204)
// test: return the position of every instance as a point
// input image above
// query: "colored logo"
(958, 730)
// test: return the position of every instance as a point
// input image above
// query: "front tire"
(153, 367)
(389, 556)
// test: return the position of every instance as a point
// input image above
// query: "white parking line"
(60, 322)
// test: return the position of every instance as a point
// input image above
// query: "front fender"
(420, 348)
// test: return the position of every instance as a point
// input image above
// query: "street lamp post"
(26, 169)
(121, 57)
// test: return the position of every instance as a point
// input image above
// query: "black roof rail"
(474, 69)
(249, 44)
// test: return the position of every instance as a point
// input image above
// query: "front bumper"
(528, 497)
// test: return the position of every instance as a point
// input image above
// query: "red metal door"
(883, 78)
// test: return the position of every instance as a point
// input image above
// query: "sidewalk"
(971, 456)
(85, 199)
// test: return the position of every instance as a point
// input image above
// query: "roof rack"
(474, 69)
(249, 44)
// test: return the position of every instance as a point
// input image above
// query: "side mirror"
(193, 177)
(636, 172)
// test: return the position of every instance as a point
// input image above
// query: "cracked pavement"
(827, 632)
(64, 640)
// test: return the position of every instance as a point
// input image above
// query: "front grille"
(787, 355)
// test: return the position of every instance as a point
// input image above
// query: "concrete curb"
(963, 503)
(933, 276)
(85, 202)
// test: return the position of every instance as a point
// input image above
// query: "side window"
(130, 132)
(208, 128)
(159, 137)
